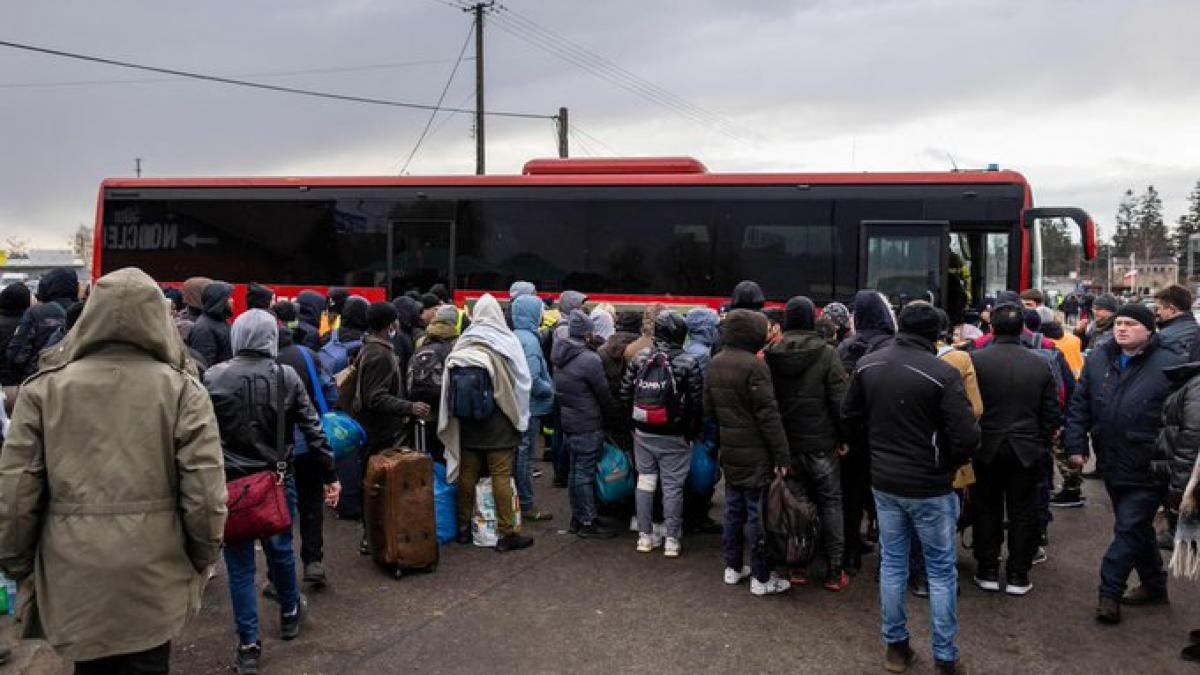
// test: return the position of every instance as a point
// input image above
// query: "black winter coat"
(1179, 441)
(689, 385)
(739, 395)
(8, 327)
(379, 401)
(914, 410)
(810, 386)
(34, 332)
(244, 392)
(1021, 410)
(580, 387)
(210, 335)
(1179, 334)
(1121, 410)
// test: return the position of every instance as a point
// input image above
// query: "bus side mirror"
(1087, 227)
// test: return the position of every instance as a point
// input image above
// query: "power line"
(595, 140)
(275, 73)
(429, 122)
(259, 85)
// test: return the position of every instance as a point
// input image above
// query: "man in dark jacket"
(259, 296)
(1118, 405)
(1021, 415)
(57, 291)
(662, 445)
(919, 426)
(210, 335)
(739, 395)
(14, 302)
(1096, 332)
(1177, 327)
(810, 386)
(246, 397)
(874, 329)
(583, 397)
(404, 341)
(310, 306)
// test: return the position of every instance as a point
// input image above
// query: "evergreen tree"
(1150, 230)
(1188, 224)
(1123, 237)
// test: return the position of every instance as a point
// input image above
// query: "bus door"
(980, 266)
(419, 254)
(905, 260)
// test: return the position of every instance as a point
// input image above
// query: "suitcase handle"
(420, 440)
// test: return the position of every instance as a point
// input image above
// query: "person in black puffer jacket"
(405, 340)
(309, 307)
(663, 450)
(210, 335)
(1178, 442)
(57, 291)
(14, 302)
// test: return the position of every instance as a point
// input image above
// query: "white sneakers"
(645, 543)
(770, 586)
(734, 577)
(671, 548)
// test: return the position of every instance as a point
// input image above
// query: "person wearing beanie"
(663, 387)
(1021, 416)
(259, 296)
(1096, 332)
(341, 349)
(584, 399)
(834, 323)
(747, 295)
(913, 409)
(330, 317)
(1177, 327)
(1117, 413)
(429, 305)
(810, 386)
(14, 302)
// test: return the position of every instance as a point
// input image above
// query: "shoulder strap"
(316, 381)
(281, 447)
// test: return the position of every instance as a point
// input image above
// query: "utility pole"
(137, 166)
(562, 133)
(478, 8)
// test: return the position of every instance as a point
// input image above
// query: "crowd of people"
(137, 405)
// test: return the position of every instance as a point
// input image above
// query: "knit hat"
(838, 314)
(446, 314)
(1139, 313)
(429, 301)
(1004, 297)
(1033, 321)
(258, 296)
(579, 325)
(380, 315)
(14, 299)
(799, 314)
(920, 319)
(354, 313)
(1105, 301)
(747, 295)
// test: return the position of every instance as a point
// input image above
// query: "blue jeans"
(743, 518)
(585, 452)
(1134, 543)
(934, 522)
(523, 463)
(239, 563)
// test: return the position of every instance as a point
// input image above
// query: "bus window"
(905, 262)
(787, 247)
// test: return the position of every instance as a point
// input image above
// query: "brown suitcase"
(398, 505)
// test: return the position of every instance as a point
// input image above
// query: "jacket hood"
(193, 288)
(14, 300)
(799, 314)
(216, 297)
(310, 304)
(873, 312)
(259, 296)
(409, 312)
(745, 329)
(702, 326)
(670, 328)
(748, 295)
(125, 307)
(1180, 375)
(603, 326)
(255, 331)
(565, 351)
(520, 288)
(354, 313)
(337, 299)
(527, 312)
(570, 300)
(59, 283)
(796, 352)
(916, 342)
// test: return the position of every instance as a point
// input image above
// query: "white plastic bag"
(484, 522)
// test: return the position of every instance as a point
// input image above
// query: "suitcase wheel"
(399, 573)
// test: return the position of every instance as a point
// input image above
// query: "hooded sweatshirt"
(527, 316)
(310, 306)
(210, 336)
(702, 335)
(582, 390)
(874, 328)
(193, 288)
(42, 325)
(404, 341)
(568, 302)
(670, 330)
(14, 302)
(810, 385)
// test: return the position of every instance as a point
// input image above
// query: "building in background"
(1143, 277)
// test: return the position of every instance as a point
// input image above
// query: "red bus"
(621, 230)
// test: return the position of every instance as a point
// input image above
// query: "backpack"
(425, 370)
(655, 396)
(791, 524)
(471, 394)
(335, 356)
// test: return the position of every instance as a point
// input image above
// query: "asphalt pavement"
(569, 605)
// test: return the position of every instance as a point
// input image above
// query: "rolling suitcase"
(398, 501)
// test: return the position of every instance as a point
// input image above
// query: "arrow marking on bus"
(192, 240)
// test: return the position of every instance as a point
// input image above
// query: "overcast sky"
(1085, 97)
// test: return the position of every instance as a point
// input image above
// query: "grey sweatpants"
(666, 459)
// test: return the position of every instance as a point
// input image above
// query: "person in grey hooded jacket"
(526, 318)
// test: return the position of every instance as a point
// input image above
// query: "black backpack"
(471, 394)
(425, 370)
(655, 396)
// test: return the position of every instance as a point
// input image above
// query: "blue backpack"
(471, 394)
(345, 435)
(335, 355)
(615, 481)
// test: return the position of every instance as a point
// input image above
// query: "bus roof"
(635, 171)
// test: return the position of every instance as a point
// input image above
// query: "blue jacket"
(1121, 409)
(526, 319)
